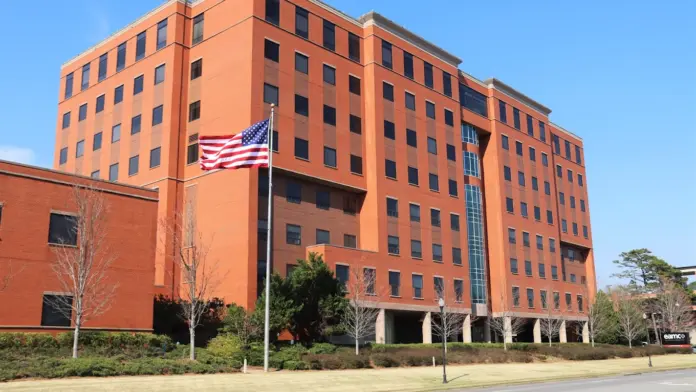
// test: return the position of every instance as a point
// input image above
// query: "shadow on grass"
(455, 378)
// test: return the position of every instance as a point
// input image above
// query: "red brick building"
(388, 157)
(35, 207)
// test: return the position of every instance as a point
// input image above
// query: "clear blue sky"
(621, 74)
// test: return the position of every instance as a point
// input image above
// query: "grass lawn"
(394, 379)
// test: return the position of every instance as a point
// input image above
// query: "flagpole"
(269, 233)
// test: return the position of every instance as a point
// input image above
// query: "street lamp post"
(647, 331)
(441, 302)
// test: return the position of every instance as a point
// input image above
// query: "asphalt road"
(671, 381)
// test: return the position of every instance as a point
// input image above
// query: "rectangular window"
(121, 57)
(100, 103)
(575, 228)
(355, 164)
(95, 174)
(580, 180)
(157, 115)
(549, 217)
(103, 63)
(471, 164)
(507, 174)
(428, 74)
(161, 34)
(437, 252)
(537, 213)
(302, 22)
(547, 187)
(97, 141)
(554, 272)
(354, 84)
(516, 118)
(56, 310)
(582, 205)
(323, 200)
(329, 75)
(155, 154)
(432, 146)
(197, 36)
(293, 234)
(388, 91)
(433, 182)
(542, 270)
(430, 109)
(416, 249)
(387, 54)
(159, 74)
(116, 133)
(569, 301)
(355, 124)
(68, 85)
(439, 286)
(389, 130)
(528, 268)
(519, 148)
(138, 83)
(271, 50)
(512, 236)
(540, 242)
(585, 231)
(350, 241)
(456, 256)
(329, 35)
(509, 205)
(353, 47)
(532, 154)
(580, 307)
(133, 165)
(552, 245)
(505, 142)
(323, 237)
(564, 225)
(542, 131)
(411, 138)
(394, 283)
(136, 124)
(530, 298)
(523, 209)
(194, 111)
(435, 217)
(410, 101)
(454, 222)
(516, 297)
(342, 273)
(572, 202)
(453, 188)
(525, 239)
(85, 77)
(414, 212)
(140, 43)
(514, 269)
(80, 149)
(192, 154)
(412, 175)
(273, 11)
(449, 117)
(113, 172)
(520, 179)
(196, 69)
(469, 134)
(535, 184)
(301, 148)
(561, 198)
(447, 84)
(270, 94)
(544, 159)
(329, 156)
(408, 65)
(530, 126)
(329, 115)
(390, 168)
(118, 94)
(301, 105)
(392, 207)
(301, 63)
(393, 245)
(556, 144)
(567, 149)
(82, 112)
(417, 283)
(578, 158)
(473, 100)
(503, 111)
(293, 192)
(458, 290)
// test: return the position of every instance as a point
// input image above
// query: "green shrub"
(290, 353)
(225, 345)
(275, 363)
(384, 360)
(288, 365)
(10, 340)
(322, 348)
(40, 341)
(94, 367)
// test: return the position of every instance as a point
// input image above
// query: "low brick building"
(34, 204)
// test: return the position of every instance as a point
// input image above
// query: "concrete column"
(466, 330)
(585, 333)
(487, 330)
(537, 331)
(427, 329)
(508, 329)
(388, 327)
(562, 333)
(380, 327)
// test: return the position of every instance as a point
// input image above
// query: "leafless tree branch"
(361, 314)
(552, 319)
(506, 323)
(673, 305)
(630, 314)
(11, 272)
(448, 324)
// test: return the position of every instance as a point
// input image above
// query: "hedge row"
(116, 341)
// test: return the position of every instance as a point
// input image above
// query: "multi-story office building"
(388, 159)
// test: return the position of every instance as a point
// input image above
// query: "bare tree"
(83, 262)
(11, 271)
(673, 305)
(630, 315)
(199, 276)
(552, 319)
(448, 324)
(506, 323)
(598, 313)
(360, 316)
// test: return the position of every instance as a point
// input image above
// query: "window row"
(528, 269)
(293, 236)
(517, 121)
(564, 229)
(568, 149)
(569, 175)
(140, 44)
(414, 211)
(394, 248)
(324, 199)
(524, 211)
(519, 150)
(512, 239)
(428, 72)
(531, 302)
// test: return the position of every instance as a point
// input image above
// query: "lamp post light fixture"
(441, 303)
(647, 348)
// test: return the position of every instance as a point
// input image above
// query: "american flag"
(246, 149)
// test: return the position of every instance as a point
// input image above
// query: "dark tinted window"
(449, 117)
(155, 157)
(63, 155)
(301, 63)
(389, 130)
(301, 22)
(100, 103)
(433, 182)
(408, 65)
(273, 11)
(447, 84)
(505, 142)
(56, 310)
(410, 100)
(519, 149)
(323, 237)
(388, 91)
(140, 43)
(270, 94)
(157, 114)
(509, 205)
(85, 77)
(530, 126)
(393, 244)
(355, 164)
(301, 148)
(354, 84)
(118, 94)
(133, 165)
(416, 249)
(329, 35)
(350, 241)
(414, 212)
(121, 57)
(454, 222)
(355, 124)
(329, 156)
(82, 113)
(430, 109)
(136, 124)
(97, 141)
(113, 172)
(271, 50)
(387, 54)
(392, 207)
(69, 85)
(293, 234)
(196, 69)
(516, 118)
(390, 168)
(503, 111)
(103, 62)
(542, 131)
(435, 217)
(411, 138)
(329, 75)
(412, 175)
(473, 100)
(192, 154)
(161, 34)
(301, 105)
(451, 153)
(507, 173)
(353, 47)
(293, 192)
(432, 146)
(138, 84)
(194, 111)
(197, 29)
(323, 200)
(62, 229)
(428, 74)
(329, 115)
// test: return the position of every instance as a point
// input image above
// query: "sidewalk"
(401, 379)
